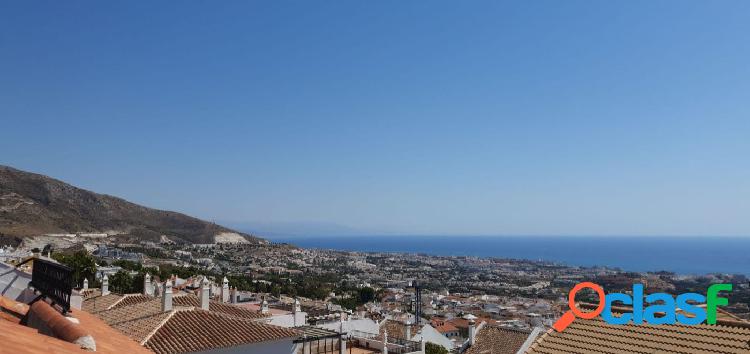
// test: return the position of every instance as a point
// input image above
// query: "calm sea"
(684, 255)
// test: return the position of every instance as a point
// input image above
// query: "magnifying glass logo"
(574, 311)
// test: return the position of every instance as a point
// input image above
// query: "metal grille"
(53, 281)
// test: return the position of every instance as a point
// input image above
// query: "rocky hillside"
(33, 204)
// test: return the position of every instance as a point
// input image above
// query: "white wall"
(430, 334)
(363, 325)
(287, 320)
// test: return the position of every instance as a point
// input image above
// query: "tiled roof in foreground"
(132, 299)
(186, 331)
(21, 339)
(97, 303)
(17, 338)
(141, 328)
(498, 340)
(133, 307)
(597, 336)
(131, 312)
(189, 300)
(185, 328)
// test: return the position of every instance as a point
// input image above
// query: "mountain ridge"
(33, 204)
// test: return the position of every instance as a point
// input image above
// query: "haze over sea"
(683, 255)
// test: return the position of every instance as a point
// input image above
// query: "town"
(344, 298)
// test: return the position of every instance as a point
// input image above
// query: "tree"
(347, 303)
(121, 282)
(137, 283)
(432, 348)
(126, 264)
(366, 295)
(82, 263)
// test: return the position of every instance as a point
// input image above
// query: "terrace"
(363, 342)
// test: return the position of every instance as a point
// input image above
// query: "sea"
(681, 255)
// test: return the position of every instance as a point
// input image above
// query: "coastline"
(681, 255)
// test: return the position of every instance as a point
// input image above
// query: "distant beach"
(682, 255)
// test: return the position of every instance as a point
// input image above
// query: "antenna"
(418, 303)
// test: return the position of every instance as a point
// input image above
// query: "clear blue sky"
(419, 117)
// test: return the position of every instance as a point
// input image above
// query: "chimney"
(233, 296)
(105, 285)
(408, 330)
(295, 310)
(76, 300)
(204, 293)
(225, 290)
(297, 314)
(85, 283)
(166, 299)
(385, 342)
(264, 307)
(472, 328)
(147, 290)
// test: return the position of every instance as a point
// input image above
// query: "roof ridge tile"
(158, 327)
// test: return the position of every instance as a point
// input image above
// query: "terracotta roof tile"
(131, 312)
(597, 336)
(197, 330)
(89, 293)
(48, 320)
(140, 328)
(132, 299)
(446, 327)
(498, 340)
(463, 323)
(16, 338)
(190, 300)
(108, 339)
(397, 329)
(100, 303)
(11, 309)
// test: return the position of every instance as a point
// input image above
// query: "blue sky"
(418, 117)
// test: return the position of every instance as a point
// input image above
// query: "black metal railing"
(53, 281)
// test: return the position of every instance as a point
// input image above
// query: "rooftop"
(17, 338)
(185, 331)
(187, 327)
(596, 336)
(397, 329)
(498, 340)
